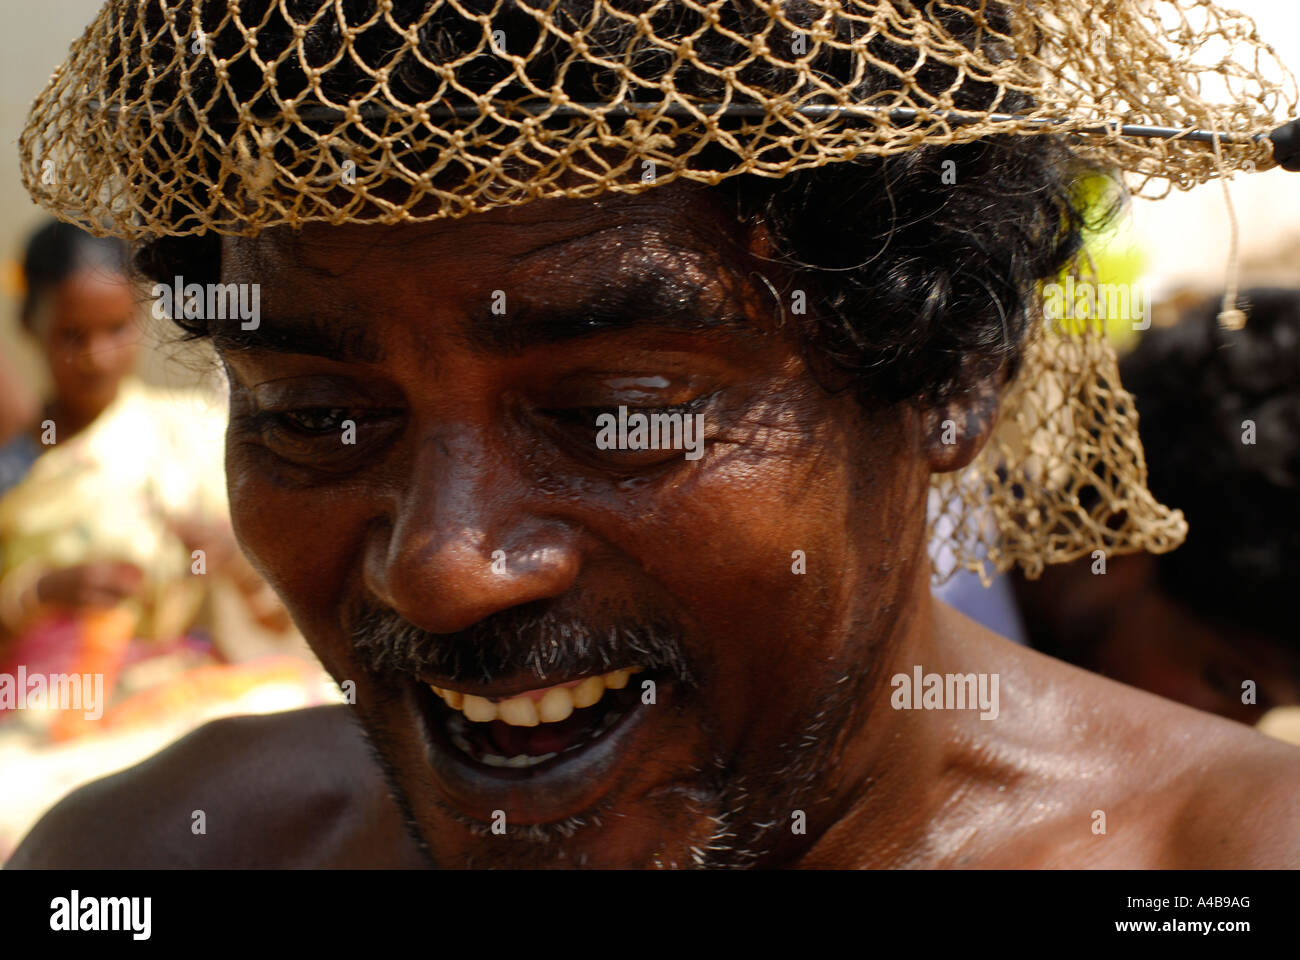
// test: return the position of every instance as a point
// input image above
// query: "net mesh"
(178, 117)
(1063, 474)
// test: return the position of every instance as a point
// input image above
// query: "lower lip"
(565, 786)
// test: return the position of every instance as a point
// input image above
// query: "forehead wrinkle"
(649, 251)
(627, 232)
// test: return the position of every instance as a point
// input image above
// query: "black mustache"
(529, 638)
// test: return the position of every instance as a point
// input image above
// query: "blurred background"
(123, 531)
(116, 556)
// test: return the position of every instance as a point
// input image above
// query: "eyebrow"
(650, 299)
(346, 341)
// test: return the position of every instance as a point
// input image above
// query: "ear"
(954, 431)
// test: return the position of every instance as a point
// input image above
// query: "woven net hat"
(183, 117)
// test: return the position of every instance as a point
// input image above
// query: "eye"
(314, 420)
(646, 435)
(586, 418)
(330, 440)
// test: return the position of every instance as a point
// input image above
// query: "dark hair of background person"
(1195, 385)
(56, 251)
(917, 287)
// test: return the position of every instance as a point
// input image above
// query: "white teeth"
(518, 712)
(588, 692)
(617, 680)
(479, 709)
(518, 763)
(556, 704)
(453, 698)
(524, 760)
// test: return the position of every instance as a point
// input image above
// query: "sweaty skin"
(465, 446)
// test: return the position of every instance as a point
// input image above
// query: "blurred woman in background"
(113, 516)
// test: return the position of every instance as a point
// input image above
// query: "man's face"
(413, 464)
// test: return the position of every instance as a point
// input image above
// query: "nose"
(467, 537)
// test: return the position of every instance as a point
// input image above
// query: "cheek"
(123, 356)
(786, 557)
(788, 524)
(127, 345)
(301, 541)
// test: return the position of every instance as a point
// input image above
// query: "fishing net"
(178, 117)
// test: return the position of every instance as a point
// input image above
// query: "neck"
(891, 759)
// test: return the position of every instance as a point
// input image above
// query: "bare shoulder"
(1235, 800)
(1108, 775)
(294, 789)
(1181, 788)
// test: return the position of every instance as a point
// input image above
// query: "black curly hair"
(1203, 391)
(920, 284)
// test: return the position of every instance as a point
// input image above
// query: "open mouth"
(533, 732)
